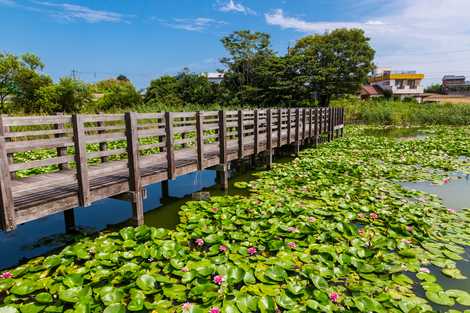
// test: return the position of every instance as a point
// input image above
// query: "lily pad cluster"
(332, 231)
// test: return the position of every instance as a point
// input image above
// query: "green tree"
(68, 95)
(434, 88)
(334, 63)
(118, 94)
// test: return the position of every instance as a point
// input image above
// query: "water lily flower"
(360, 215)
(409, 228)
(446, 180)
(199, 242)
(451, 210)
(361, 232)
(292, 245)
(222, 248)
(6, 275)
(374, 215)
(218, 279)
(185, 269)
(334, 297)
(214, 310)
(186, 306)
(407, 241)
(215, 210)
(293, 229)
(252, 250)
(424, 270)
(312, 219)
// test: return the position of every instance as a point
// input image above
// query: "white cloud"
(69, 12)
(232, 6)
(430, 36)
(195, 24)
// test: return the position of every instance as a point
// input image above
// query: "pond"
(46, 235)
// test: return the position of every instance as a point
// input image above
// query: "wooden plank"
(135, 183)
(62, 160)
(256, 132)
(107, 153)
(170, 152)
(61, 151)
(103, 117)
(36, 120)
(3, 130)
(241, 134)
(297, 130)
(269, 138)
(103, 145)
(81, 160)
(310, 127)
(316, 127)
(289, 122)
(304, 125)
(200, 140)
(22, 146)
(222, 138)
(7, 210)
(38, 133)
(279, 128)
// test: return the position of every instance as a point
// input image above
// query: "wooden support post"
(223, 171)
(297, 131)
(170, 150)
(81, 160)
(342, 123)
(3, 130)
(279, 128)
(223, 176)
(103, 145)
(165, 189)
(310, 127)
(269, 138)
(133, 157)
(7, 209)
(316, 125)
(256, 133)
(69, 220)
(304, 125)
(331, 123)
(241, 134)
(200, 141)
(289, 126)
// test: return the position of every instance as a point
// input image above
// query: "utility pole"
(74, 74)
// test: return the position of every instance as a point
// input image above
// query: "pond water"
(46, 235)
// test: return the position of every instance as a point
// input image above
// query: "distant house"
(455, 85)
(215, 78)
(399, 84)
(368, 92)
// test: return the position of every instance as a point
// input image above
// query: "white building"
(215, 78)
(401, 84)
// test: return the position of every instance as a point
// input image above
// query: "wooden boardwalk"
(94, 157)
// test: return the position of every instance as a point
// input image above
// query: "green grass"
(383, 112)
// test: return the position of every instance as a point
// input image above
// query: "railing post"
(269, 138)
(200, 140)
(255, 133)
(3, 130)
(297, 131)
(279, 128)
(170, 150)
(289, 121)
(304, 125)
(330, 123)
(8, 217)
(342, 123)
(241, 134)
(223, 172)
(310, 123)
(135, 182)
(81, 160)
(103, 145)
(316, 126)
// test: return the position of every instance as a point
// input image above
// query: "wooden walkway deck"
(94, 157)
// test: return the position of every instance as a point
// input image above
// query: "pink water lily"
(334, 297)
(361, 232)
(409, 228)
(214, 310)
(292, 245)
(6, 275)
(199, 242)
(185, 269)
(222, 248)
(374, 215)
(451, 210)
(218, 279)
(186, 306)
(407, 241)
(425, 270)
(293, 229)
(446, 180)
(215, 210)
(312, 219)
(252, 250)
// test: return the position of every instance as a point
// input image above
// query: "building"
(455, 85)
(215, 78)
(398, 84)
(368, 92)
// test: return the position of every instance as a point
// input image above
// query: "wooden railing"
(39, 155)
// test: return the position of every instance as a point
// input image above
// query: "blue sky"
(144, 39)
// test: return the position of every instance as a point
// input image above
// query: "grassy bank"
(331, 231)
(383, 112)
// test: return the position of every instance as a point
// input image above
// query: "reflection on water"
(410, 132)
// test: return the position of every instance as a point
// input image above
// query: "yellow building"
(403, 84)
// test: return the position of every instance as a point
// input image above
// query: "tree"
(334, 63)
(9, 65)
(434, 88)
(68, 95)
(118, 94)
